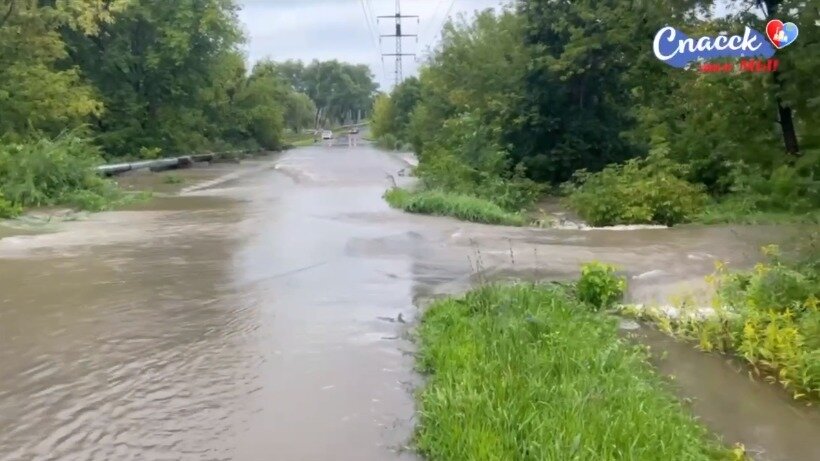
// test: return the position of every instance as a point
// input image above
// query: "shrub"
(599, 286)
(49, 172)
(769, 316)
(7, 209)
(150, 153)
(388, 141)
(786, 194)
(640, 191)
(785, 188)
(511, 191)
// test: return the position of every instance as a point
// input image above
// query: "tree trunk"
(787, 126)
(784, 112)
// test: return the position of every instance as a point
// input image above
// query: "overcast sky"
(337, 29)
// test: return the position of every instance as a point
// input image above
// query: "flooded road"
(264, 316)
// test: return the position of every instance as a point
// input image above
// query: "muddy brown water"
(263, 316)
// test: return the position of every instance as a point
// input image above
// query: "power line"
(376, 34)
(373, 35)
(432, 18)
(399, 35)
(447, 14)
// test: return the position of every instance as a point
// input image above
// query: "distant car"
(327, 134)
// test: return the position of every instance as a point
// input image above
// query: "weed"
(173, 179)
(768, 316)
(599, 286)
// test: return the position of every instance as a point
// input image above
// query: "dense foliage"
(142, 78)
(769, 316)
(553, 87)
(47, 172)
(642, 191)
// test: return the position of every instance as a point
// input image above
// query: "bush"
(7, 209)
(599, 286)
(388, 142)
(784, 188)
(150, 153)
(640, 191)
(510, 190)
(50, 172)
(466, 207)
(786, 194)
(769, 316)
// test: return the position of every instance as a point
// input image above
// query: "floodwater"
(264, 316)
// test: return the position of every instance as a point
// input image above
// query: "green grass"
(727, 213)
(527, 373)
(173, 178)
(465, 207)
(302, 139)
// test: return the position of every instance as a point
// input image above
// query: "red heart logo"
(773, 28)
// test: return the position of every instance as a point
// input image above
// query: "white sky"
(336, 29)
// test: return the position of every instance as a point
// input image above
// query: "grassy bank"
(528, 372)
(303, 139)
(726, 213)
(460, 206)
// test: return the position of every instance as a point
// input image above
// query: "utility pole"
(399, 54)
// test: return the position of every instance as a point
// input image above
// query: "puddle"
(761, 416)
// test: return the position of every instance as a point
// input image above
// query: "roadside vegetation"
(768, 316)
(462, 206)
(50, 172)
(541, 92)
(85, 82)
(532, 372)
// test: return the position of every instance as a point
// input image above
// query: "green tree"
(152, 65)
(299, 111)
(383, 120)
(478, 68)
(36, 91)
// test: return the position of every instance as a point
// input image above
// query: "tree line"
(553, 92)
(143, 78)
(141, 75)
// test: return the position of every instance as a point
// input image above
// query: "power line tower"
(399, 36)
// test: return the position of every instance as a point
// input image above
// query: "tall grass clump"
(526, 372)
(54, 171)
(461, 206)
